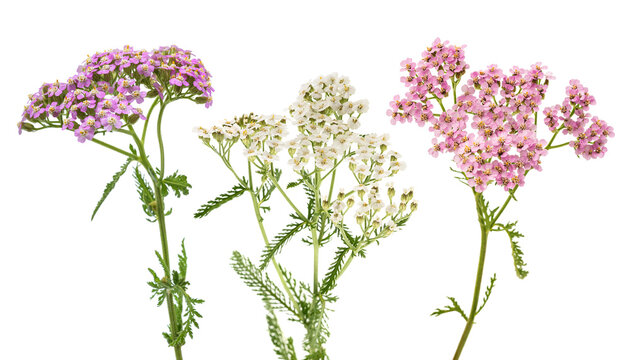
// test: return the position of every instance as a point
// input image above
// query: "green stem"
(473, 308)
(165, 255)
(316, 239)
(332, 183)
(146, 122)
(263, 232)
(554, 137)
(116, 149)
(159, 200)
(454, 91)
(557, 146)
(286, 197)
(159, 137)
(345, 266)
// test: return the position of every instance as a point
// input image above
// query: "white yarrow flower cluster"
(326, 119)
(261, 135)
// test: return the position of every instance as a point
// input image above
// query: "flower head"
(107, 89)
(491, 129)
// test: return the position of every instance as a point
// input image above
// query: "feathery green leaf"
(179, 184)
(517, 253)
(110, 186)
(278, 242)
(330, 280)
(450, 308)
(282, 347)
(205, 209)
(146, 194)
(487, 294)
(260, 283)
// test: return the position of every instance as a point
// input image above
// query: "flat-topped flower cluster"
(491, 128)
(105, 92)
(325, 119)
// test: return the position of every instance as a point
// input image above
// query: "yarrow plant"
(325, 153)
(105, 96)
(491, 129)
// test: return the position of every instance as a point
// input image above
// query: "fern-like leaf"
(260, 283)
(178, 183)
(205, 209)
(278, 242)
(110, 185)
(330, 280)
(517, 253)
(493, 279)
(146, 194)
(450, 308)
(282, 347)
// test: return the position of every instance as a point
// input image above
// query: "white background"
(75, 289)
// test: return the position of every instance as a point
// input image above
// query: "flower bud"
(391, 192)
(28, 127)
(383, 148)
(341, 195)
(291, 152)
(352, 166)
(201, 99)
(218, 136)
(152, 93)
(350, 202)
(414, 206)
(325, 204)
(133, 118)
(386, 232)
(360, 219)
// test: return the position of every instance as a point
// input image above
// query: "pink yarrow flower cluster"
(590, 132)
(491, 127)
(105, 92)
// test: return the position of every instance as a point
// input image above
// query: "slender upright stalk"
(160, 214)
(316, 239)
(263, 232)
(475, 303)
(261, 226)
(165, 255)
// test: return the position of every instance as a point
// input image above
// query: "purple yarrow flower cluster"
(104, 94)
(491, 127)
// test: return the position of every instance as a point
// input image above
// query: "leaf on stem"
(207, 208)
(178, 183)
(146, 194)
(278, 242)
(260, 283)
(330, 280)
(487, 293)
(450, 308)
(185, 313)
(110, 186)
(517, 253)
(283, 347)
